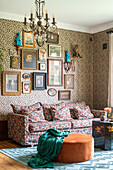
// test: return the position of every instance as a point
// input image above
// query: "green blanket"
(49, 145)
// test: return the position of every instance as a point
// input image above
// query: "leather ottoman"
(76, 148)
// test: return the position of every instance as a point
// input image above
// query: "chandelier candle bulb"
(31, 15)
(53, 19)
(46, 14)
(25, 19)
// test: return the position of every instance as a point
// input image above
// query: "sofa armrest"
(97, 113)
(18, 127)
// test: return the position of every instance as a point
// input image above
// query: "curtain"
(110, 82)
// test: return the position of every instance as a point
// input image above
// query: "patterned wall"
(83, 89)
(101, 70)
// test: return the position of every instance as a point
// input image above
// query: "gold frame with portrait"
(29, 59)
(69, 81)
(26, 36)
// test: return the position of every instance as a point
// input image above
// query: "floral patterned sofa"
(27, 123)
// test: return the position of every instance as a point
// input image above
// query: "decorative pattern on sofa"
(25, 132)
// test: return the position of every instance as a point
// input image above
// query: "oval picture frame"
(26, 75)
(52, 92)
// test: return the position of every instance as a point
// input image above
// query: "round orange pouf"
(76, 147)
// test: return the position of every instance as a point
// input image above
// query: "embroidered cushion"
(81, 105)
(47, 109)
(18, 108)
(61, 114)
(79, 113)
(35, 115)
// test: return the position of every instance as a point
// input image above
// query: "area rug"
(102, 160)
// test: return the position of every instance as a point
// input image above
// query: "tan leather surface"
(76, 148)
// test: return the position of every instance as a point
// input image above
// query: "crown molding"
(91, 30)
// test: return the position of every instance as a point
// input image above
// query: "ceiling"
(83, 15)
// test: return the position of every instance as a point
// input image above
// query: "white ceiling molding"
(92, 30)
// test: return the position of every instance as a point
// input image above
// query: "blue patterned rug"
(102, 160)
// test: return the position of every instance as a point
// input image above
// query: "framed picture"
(54, 51)
(29, 59)
(69, 81)
(52, 38)
(26, 76)
(42, 55)
(64, 95)
(11, 83)
(26, 87)
(28, 39)
(55, 72)
(14, 62)
(52, 92)
(40, 81)
(42, 66)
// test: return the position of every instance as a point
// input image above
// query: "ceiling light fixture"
(42, 26)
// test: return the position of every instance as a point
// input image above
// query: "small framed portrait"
(73, 68)
(42, 66)
(42, 55)
(52, 38)
(28, 39)
(29, 59)
(64, 95)
(26, 87)
(26, 76)
(11, 83)
(52, 92)
(40, 82)
(14, 62)
(69, 81)
(54, 51)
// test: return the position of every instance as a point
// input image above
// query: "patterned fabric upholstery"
(98, 113)
(44, 125)
(35, 115)
(18, 109)
(61, 114)
(82, 123)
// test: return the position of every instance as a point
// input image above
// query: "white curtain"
(110, 83)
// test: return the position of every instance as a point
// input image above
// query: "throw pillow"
(35, 115)
(61, 114)
(18, 108)
(81, 104)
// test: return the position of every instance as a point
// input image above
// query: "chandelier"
(42, 26)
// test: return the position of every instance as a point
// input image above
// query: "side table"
(102, 131)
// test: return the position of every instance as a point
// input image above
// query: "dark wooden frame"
(11, 62)
(50, 40)
(65, 82)
(29, 32)
(50, 45)
(48, 92)
(12, 93)
(24, 68)
(44, 81)
(48, 72)
(60, 93)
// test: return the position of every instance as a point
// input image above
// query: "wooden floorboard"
(7, 163)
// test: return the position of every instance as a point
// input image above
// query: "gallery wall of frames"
(38, 74)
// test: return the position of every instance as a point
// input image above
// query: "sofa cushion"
(47, 109)
(61, 114)
(18, 108)
(82, 123)
(45, 125)
(35, 115)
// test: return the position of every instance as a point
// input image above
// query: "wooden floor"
(7, 163)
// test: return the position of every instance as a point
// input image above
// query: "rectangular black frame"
(36, 87)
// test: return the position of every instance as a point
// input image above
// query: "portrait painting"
(69, 81)
(54, 51)
(29, 59)
(39, 81)
(14, 62)
(52, 38)
(28, 39)
(26, 87)
(42, 54)
(11, 83)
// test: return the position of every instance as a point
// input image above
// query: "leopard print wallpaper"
(83, 74)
